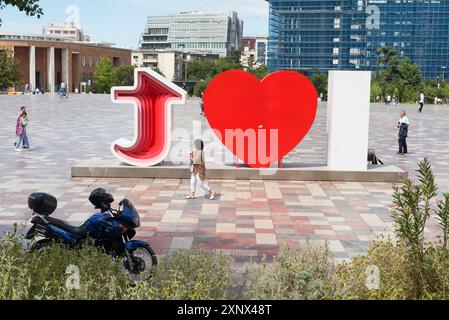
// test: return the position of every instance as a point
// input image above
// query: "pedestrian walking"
(198, 171)
(21, 130)
(403, 126)
(421, 100)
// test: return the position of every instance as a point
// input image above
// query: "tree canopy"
(9, 73)
(397, 77)
(29, 7)
(104, 76)
(124, 75)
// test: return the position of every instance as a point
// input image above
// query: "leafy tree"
(104, 76)
(9, 72)
(398, 77)
(376, 91)
(260, 72)
(200, 87)
(234, 56)
(385, 56)
(200, 70)
(320, 81)
(30, 7)
(409, 72)
(158, 71)
(430, 91)
(124, 75)
(203, 71)
(444, 92)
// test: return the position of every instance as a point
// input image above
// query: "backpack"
(373, 159)
(19, 127)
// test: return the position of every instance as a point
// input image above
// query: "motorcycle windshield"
(129, 215)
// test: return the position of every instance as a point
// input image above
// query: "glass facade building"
(194, 32)
(344, 34)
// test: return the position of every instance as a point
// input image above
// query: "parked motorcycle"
(110, 229)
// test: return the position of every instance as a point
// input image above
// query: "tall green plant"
(414, 204)
(9, 70)
(104, 76)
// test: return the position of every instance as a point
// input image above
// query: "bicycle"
(63, 95)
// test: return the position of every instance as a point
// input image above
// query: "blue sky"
(122, 21)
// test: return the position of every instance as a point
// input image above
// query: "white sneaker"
(18, 150)
(212, 196)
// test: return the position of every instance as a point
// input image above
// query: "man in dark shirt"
(403, 125)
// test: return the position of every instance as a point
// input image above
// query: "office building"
(262, 50)
(194, 32)
(336, 34)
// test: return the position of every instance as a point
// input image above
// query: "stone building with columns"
(47, 61)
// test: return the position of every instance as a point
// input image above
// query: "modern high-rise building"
(262, 50)
(344, 34)
(194, 32)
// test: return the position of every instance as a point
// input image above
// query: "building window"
(83, 61)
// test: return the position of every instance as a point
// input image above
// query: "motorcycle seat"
(79, 232)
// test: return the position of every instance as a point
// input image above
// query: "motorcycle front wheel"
(142, 264)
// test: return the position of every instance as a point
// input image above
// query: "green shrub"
(413, 268)
(187, 276)
(25, 275)
(193, 276)
(396, 281)
(305, 274)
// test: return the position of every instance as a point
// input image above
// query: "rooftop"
(50, 38)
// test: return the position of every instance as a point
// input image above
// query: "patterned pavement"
(249, 219)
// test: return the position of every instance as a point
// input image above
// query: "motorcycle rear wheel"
(41, 245)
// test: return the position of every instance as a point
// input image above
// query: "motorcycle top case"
(42, 203)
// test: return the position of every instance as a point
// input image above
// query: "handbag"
(19, 127)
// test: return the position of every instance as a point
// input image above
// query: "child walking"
(21, 130)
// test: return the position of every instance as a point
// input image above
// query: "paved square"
(249, 219)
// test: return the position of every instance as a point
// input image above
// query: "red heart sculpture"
(261, 122)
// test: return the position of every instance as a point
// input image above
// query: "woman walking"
(198, 171)
(21, 130)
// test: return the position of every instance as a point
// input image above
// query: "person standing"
(198, 171)
(421, 100)
(21, 130)
(403, 125)
(202, 108)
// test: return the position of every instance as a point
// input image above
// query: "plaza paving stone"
(249, 219)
